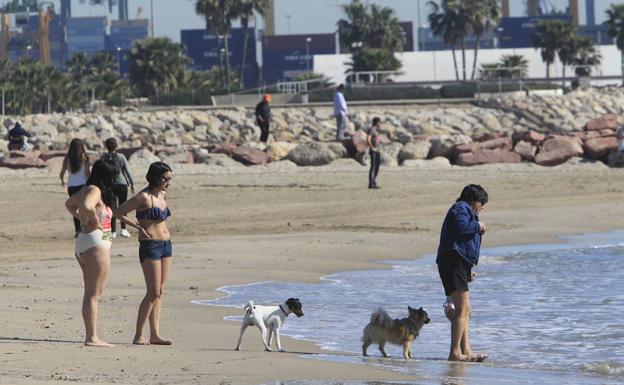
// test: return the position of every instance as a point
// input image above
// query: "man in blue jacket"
(458, 252)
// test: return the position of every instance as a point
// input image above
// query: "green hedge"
(183, 98)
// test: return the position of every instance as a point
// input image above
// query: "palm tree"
(548, 38)
(481, 15)
(447, 21)
(246, 11)
(157, 66)
(568, 48)
(219, 15)
(373, 26)
(514, 66)
(615, 22)
(586, 56)
(378, 33)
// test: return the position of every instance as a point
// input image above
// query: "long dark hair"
(473, 193)
(76, 155)
(155, 172)
(103, 176)
(111, 144)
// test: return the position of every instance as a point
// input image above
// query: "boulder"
(502, 142)
(526, 150)
(390, 153)
(533, 137)
(221, 160)
(357, 143)
(557, 150)
(18, 163)
(279, 150)
(178, 157)
(46, 155)
(143, 157)
(498, 155)
(24, 154)
(250, 156)
(597, 148)
(444, 145)
(414, 150)
(608, 121)
(439, 162)
(311, 154)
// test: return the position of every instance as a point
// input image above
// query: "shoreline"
(402, 225)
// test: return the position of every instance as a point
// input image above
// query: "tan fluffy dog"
(382, 329)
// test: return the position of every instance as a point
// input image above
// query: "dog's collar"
(282, 309)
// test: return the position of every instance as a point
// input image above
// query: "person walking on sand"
(263, 117)
(155, 249)
(122, 181)
(341, 113)
(77, 162)
(458, 252)
(92, 206)
(374, 140)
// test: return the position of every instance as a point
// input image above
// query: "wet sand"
(236, 226)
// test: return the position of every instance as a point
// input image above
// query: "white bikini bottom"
(85, 241)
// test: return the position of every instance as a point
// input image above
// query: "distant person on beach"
(155, 249)
(458, 252)
(17, 138)
(263, 117)
(341, 112)
(92, 206)
(374, 140)
(620, 138)
(122, 181)
(77, 162)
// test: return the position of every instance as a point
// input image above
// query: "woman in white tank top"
(76, 162)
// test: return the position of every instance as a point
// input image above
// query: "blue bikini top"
(154, 213)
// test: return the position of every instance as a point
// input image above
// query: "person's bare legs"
(459, 327)
(154, 317)
(152, 272)
(95, 265)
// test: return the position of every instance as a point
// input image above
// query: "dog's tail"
(380, 317)
(249, 307)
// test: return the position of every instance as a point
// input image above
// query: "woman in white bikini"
(92, 206)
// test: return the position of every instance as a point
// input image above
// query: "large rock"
(279, 150)
(597, 148)
(498, 155)
(357, 143)
(608, 121)
(18, 163)
(415, 150)
(557, 150)
(143, 157)
(311, 154)
(390, 153)
(533, 137)
(250, 156)
(439, 162)
(444, 145)
(526, 150)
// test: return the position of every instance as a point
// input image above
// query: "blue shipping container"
(206, 50)
(517, 32)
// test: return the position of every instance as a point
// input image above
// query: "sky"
(294, 16)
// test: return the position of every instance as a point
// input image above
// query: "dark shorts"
(454, 271)
(154, 249)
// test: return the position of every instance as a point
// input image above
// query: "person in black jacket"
(263, 117)
(17, 138)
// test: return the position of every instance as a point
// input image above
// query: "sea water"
(545, 314)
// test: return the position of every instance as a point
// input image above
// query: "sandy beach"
(243, 225)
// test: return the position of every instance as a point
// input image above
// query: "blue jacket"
(461, 232)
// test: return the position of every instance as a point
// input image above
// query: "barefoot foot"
(98, 343)
(159, 341)
(140, 341)
(460, 358)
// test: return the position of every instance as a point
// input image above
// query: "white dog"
(268, 317)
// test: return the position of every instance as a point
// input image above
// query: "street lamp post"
(28, 49)
(119, 60)
(288, 23)
(308, 41)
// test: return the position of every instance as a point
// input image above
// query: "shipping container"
(517, 32)
(207, 50)
(123, 33)
(86, 34)
(429, 42)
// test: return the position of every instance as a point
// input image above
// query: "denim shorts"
(154, 249)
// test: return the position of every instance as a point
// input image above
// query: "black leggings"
(71, 190)
(121, 192)
(375, 157)
(264, 131)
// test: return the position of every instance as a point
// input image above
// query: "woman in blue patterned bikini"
(155, 248)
